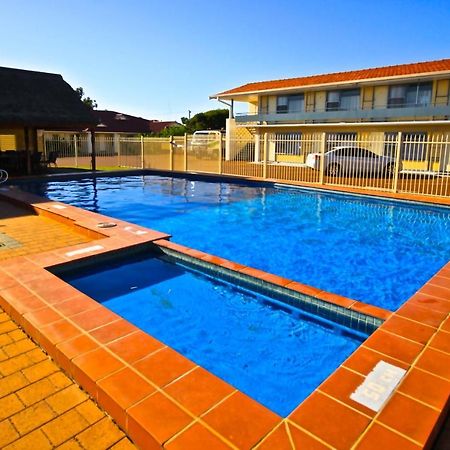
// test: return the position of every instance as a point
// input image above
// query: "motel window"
(288, 143)
(404, 95)
(413, 146)
(343, 100)
(264, 105)
(290, 103)
(338, 139)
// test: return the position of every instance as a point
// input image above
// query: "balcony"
(356, 115)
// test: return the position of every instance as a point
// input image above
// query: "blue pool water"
(371, 250)
(275, 356)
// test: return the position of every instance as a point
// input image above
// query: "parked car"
(350, 160)
(206, 143)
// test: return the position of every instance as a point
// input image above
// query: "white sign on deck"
(81, 251)
(378, 385)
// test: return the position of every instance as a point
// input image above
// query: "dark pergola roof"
(40, 100)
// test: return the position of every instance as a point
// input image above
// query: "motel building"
(404, 107)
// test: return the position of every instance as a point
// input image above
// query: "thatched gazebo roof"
(40, 100)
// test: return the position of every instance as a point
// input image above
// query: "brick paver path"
(40, 407)
(34, 233)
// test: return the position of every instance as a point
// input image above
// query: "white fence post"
(323, 143)
(142, 152)
(220, 153)
(266, 151)
(171, 144)
(398, 151)
(75, 145)
(185, 145)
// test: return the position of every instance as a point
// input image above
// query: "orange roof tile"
(339, 77)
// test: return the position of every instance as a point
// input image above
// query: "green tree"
(174, 130)
(215, 119)
(88, 101)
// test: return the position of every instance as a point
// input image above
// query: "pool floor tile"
(394, 346)
(378, 437)
(156, 418)
(287, 436)
(332, 422)
(122, 390)
(241, 420)
(425, 387)
(197, 437)
(198, 390)
(397, 414)
(164, 366)
(135, 346)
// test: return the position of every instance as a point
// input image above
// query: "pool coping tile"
(241, 420)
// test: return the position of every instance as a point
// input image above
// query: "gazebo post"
(93, 155)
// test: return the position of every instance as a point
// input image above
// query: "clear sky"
(158, 59)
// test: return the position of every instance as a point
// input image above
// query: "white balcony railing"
(338, 115)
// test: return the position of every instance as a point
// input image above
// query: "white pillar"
(230, 128)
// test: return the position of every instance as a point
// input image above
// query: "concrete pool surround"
(163, 400)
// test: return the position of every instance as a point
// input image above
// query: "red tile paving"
(161, 398)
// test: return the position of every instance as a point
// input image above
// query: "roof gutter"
(230, 106)
(349, 124)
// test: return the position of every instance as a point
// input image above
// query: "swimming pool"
(274, 353)
(376, 251)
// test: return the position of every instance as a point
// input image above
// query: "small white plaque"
(59, 206)
(84, 250)
(134, 231)
(378, 385)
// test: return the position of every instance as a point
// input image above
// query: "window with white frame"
(404, 95)
(343, 100)
(290, 103)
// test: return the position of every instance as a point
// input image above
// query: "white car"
(350, 160)
(206, 143)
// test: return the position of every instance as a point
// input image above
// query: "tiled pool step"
(351, 313)
(149, 388)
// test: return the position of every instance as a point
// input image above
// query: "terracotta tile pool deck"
(163, 400)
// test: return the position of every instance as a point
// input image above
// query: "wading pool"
(271, 351)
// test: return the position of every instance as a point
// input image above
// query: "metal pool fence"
(410, 163)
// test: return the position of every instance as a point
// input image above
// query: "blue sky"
(159, 59)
